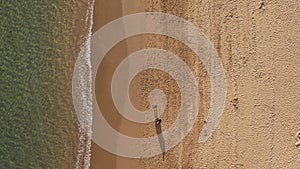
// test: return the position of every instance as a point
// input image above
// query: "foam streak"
(82, 91)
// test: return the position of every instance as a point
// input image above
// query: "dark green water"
(39, 128)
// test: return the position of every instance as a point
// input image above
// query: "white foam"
(82, 94)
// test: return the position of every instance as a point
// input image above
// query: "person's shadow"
(161, 139)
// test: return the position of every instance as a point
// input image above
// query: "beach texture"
(258, 43)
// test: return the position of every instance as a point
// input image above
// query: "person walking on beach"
(157, 119)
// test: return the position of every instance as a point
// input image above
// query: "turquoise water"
(39, 128)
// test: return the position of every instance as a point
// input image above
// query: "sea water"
(39, 43)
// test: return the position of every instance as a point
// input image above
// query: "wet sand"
(106, 11)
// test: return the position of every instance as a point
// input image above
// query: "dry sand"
(258, 43)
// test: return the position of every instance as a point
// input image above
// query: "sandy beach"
(258, 44)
